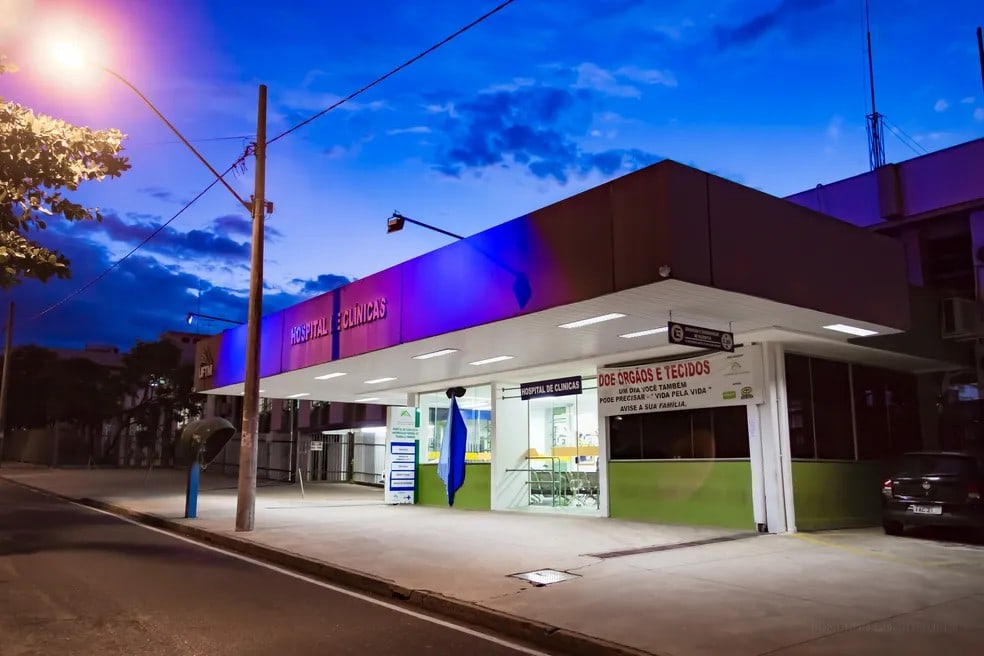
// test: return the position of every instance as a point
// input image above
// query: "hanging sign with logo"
(713, 380)
(709, 338)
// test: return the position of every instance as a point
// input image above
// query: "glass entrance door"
(562, 455)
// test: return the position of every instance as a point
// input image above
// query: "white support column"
(773, 427)
(603, 460)
(756, 459)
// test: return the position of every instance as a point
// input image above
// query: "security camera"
(665, 271)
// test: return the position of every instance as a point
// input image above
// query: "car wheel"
(893, 528)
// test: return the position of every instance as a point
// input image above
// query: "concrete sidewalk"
(857, 592)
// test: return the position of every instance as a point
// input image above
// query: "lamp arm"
(180, 136)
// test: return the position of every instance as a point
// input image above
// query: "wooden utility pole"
(246, 491)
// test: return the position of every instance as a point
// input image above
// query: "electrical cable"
(153, 234)
(283, 134)
(396, 70)
(899, 133)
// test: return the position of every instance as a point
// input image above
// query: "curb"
(531, 632)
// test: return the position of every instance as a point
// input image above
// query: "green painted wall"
(830, 495)
(475, 494)
(709, 492)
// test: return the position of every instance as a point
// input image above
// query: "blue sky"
(543, 100)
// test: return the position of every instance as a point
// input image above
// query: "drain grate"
(675, 545)
(542, 577)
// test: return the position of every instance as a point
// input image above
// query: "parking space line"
(874, 554)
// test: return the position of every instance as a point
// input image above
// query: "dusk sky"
(543, 100)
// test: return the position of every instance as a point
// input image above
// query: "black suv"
(934, 488)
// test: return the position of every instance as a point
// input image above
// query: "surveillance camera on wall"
(665, 271)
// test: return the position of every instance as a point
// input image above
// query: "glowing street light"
(74, 54)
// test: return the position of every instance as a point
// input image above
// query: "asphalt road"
(75, 581)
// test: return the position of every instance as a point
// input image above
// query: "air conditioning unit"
(961, 318)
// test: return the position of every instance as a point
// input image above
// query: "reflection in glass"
(562, 458)
(476, 410)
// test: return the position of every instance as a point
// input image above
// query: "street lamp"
(395, 224)
(522, 290)
(70, 55)
(192, 315)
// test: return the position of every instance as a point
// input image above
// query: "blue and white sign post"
(402, 454)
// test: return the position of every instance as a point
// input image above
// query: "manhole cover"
(543, 577)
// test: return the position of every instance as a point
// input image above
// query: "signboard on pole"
(553, 387)
(402, 455)
(716, 379)
(709, 338)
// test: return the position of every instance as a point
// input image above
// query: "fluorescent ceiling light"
(366, 400)
(592, 320)
(851, 330)
(498, 358)
(379, 380)
(643, 333)
(297, 396)
(435, 354)
(244, 393)
(328, 376)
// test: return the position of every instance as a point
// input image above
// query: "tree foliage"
(143, 397)
(42, 158)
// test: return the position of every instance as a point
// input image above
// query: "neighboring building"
(934, 206)
(790, 431)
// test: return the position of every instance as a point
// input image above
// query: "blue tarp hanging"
(451, 466)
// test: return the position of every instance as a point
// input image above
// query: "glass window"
(731, 432)
(870, 413)
(704, 433)
(902, 405)
(625, 437)
(800, 402)
(476, 410)
(667, 435)
(832, 419)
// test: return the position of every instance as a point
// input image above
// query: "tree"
(84, 394)
(40, 158)
(158, 390)
(30, 379)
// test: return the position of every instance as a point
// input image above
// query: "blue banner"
(451, 466)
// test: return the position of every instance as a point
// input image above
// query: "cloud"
(416, 129)
(323, 283)
(592, 76)
(834, 128)
(648, 75)
(979, 114)
(169, 241)
(761, 25)
(164, 195)
(969, 100)
(139, 299)
(616, 83)
(534, 128)
(232, 224)
(446, 108)
(941, 105)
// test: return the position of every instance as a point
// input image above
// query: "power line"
(396, 70)
(242, 158)
(156, 232)
(240, 137)
(902, 136)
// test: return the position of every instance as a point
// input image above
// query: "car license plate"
(926, 510)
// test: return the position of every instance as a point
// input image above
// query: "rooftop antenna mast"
(876, 141)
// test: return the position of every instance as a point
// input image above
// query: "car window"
(922, 464)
